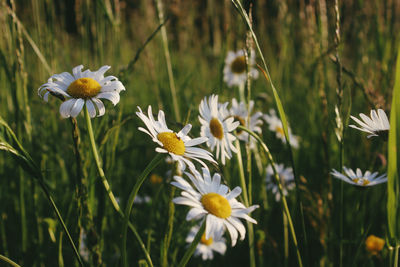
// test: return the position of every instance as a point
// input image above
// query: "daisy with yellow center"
(214, 202)
(275, 125)
(217, 126)
(82, 88)
(240, 113)
(286, 178)
(235, 68)
(179, 146)
(358, 178)
(206, 247)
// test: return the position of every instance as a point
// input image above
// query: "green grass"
(296, 39)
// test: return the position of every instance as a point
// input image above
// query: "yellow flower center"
(364, 181)
(279, 129)
(205, 241)
(374, 244)
(216, 128)
(172, 143)
(84, 88)
(241, 121)
(216, 205)
(238, 65)
(155, 179)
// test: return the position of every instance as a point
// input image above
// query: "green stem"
(168, 60)
(12, 263)
(46, 192)
(156, 160)
(241, 173)
(278, 182)
(107, 187)
(192, 248)
(396, 256)
(98, 162)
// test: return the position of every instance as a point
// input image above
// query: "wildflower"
(179, 146)
(374, 244)
(217, 125)
(155, 179)
(358, 178)
(235, 68)
(286, 178)
(82, 88)
(206, 247)
(142, 199)
(275, 125)
(377, 125)
(241, 113)
(214, 202)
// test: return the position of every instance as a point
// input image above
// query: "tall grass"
(40, 38)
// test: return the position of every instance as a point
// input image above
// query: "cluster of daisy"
(377, 125)
(210, 200)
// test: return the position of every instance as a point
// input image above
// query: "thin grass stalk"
(281, 113)
(164, 36)
(7, 260)
(246, 202)
(393, 170)
(278, 182)
(396, 257)
(192, 248)
(107, 187)
(285, 240)
(154, 163)
(339, 94)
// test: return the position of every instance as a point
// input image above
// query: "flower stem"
(156, 160)
(12, 263)
(246, 202)
(107, 187)
(193, 246)
(98, 162)
(283, 198)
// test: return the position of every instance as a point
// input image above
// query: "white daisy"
(241, 113)
(213, 201)
(206, 247)
(358, 178)
(235, 68)
(179, 146)
(217, 125)
(275, 125)
(377, 125)
(80, 88)
(286, 178)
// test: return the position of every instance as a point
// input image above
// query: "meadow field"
(266, 176)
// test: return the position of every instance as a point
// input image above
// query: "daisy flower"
(179, 146)
(275, 125)
(82, 88)
(214, 202)
(216, 126)
(286, 178)
(206, 247)
(241, 114)
(374, 244)
(358, 178)
(377, 125)
(235, 68)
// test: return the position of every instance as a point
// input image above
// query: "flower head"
(275, 125)
(377, 125)
(235, 68)
(82, 88)
(286, 178)
(206, 247)
(374, 244)
(240, 113)
(213, 201)
(216, 126)
(179, 146)
(358, 178)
